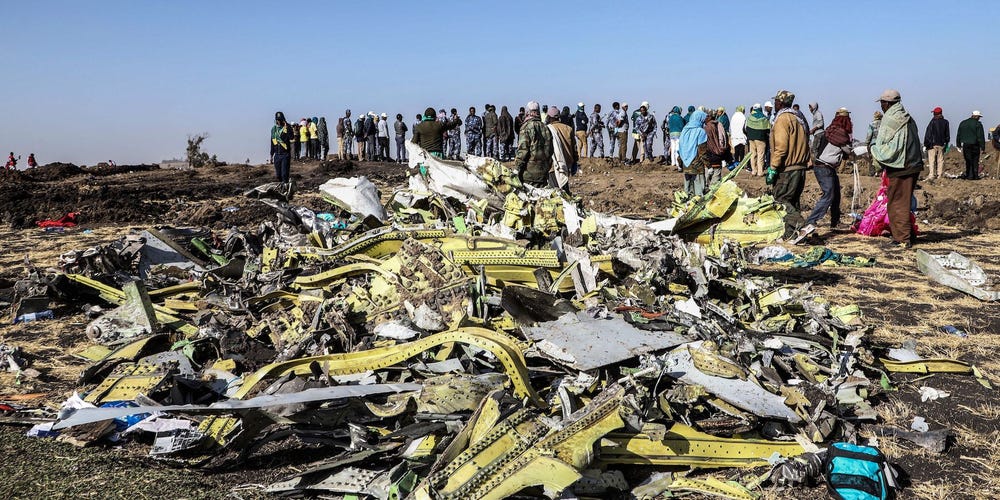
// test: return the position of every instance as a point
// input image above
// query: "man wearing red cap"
(937, 136)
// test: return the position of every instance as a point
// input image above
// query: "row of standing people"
(12, 161)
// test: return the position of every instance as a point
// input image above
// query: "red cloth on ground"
(68, 220)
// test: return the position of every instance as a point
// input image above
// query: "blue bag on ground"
(856, 472)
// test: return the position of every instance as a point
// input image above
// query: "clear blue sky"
(129, 80)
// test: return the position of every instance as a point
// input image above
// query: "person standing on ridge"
(596, 132)
(454, 138)
(281, 142)
(971, 140)
(323, 133)
(505, 134)
(518, 121)
(534, 149)
(936, 137)
(430, 132)
(383, 137)
(491, 142)
(758, 134)
(645, 125)
(473, 133)
(621, 129)
(580, 122)
(400, 128)
(611, 121)
(692, 154)
(676, 127)
(371, 134)
(565, 156)
(304, 139)
(816, 132)
(314, 137)
(738, 134)
(348, 137)
(361, 137)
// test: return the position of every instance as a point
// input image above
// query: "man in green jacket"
(897, 149)
(534, 149)
(429, 133)
(972, 140)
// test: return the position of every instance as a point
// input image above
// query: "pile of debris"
(472, 338)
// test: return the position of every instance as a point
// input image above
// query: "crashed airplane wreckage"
(470, 338)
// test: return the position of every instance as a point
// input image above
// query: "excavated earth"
(896, 299)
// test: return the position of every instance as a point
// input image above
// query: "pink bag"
(875, 221)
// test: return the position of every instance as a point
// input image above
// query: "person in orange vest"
(11, 162)
(31, 161)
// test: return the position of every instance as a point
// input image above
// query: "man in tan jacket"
(790, 158)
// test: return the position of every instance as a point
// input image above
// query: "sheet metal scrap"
(397, 338)
(959, 272)
(527, 449)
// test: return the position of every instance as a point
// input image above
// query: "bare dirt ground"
(896, 299)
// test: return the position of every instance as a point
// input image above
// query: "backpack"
(855, 472)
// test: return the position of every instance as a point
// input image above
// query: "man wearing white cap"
(382, 122)
(580, 123)
(971, 140)
(897, 149)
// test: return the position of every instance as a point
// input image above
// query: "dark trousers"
(739, 151)
(383, 148)
(297, 149)
(372, 148)
(829, 182)
(400, 148)
(971, 153)
(282, 166)
(898, 206)
(314, 146)
(788, 192)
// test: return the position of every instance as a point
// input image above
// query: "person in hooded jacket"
(692, 153)
(834, 144)
(323, 135)
(491, 139)
(505, 134)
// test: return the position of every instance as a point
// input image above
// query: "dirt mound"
(149, 194)
(975, 213)
(102, 169)
(52, 172)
